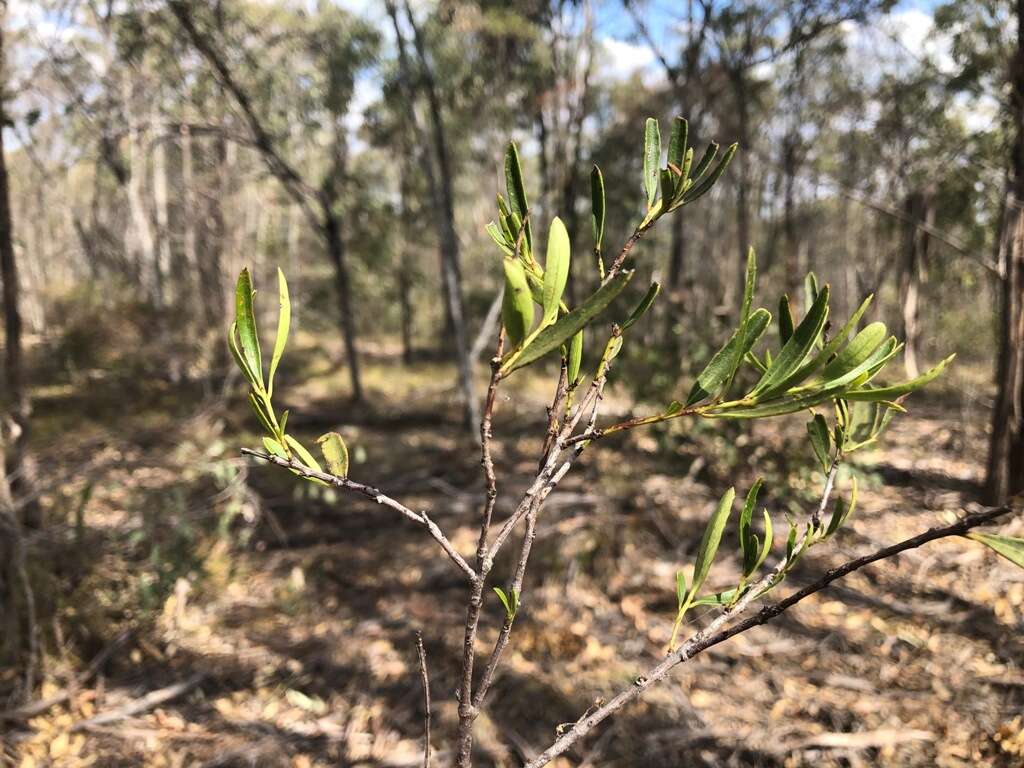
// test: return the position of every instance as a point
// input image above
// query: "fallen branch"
(34, 708)
(712, 635)
(140, 705)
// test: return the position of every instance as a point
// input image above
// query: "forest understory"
(200, 610)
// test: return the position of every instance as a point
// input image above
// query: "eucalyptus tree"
(988, 52)
(334, 47)
(833, 380)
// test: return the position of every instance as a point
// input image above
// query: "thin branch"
(422, 653)
(713, 635)
(290, 179)
(376, 495)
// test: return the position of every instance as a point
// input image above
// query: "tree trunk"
(740, 90)
(451, 272)
(919, 208)
(1005, 472)
(336, 253)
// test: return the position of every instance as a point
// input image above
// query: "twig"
(712, 636)
(422, 653)
(376, 495)
(140, 705)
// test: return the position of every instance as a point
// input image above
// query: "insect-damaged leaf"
(335, 452)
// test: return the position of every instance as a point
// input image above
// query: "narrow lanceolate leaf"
(597, 203)
(821, 441)
(575, 359)
(556, 270)
(895, 391)
(246, 322)
(569, 324)
(677, 142)
(856, 352)
(842, 511)
(284, 320)
(711, 539)
(240, 360)
(723, 364)
(748, 541)
(652, 159)
(681, 587)
(711, 179)
(749, 282)
(705, 160)
(1009, 547)
(499, 238)
(796, 349)
(829, 350)
(274, 447)
(766, 545)
(516, 304)
(504, 601)
(643, 306)
(517, 190)
(335, 453)
(785, 321)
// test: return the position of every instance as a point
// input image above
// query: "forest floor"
(286, 612)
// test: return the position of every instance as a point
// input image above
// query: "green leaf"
(499, 238)
(718, 598)
(766, 545)
(749, 281)
(681, 587)
(275, 448)
(575, 359)
(810, 290)
(568, 325)
(723, 364)
(711, 539)
(785, 321)
(1009, 547)
(705, 160)
(597, 202)
(284, 321)
(842, 510)
(645, 304)
(856, 352)
(705, 186)
(239, 360)
(259, 405)
(673, 408)
(830, 349)
(796, 349)
(748, 541)
(517, 190)
(304, 456)
(510, 602)
(556, 270)
(896, 391)
(677, 142)
(246, 323)
(821, 441)
(652, 159)
(516, 304)
(335, 453)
